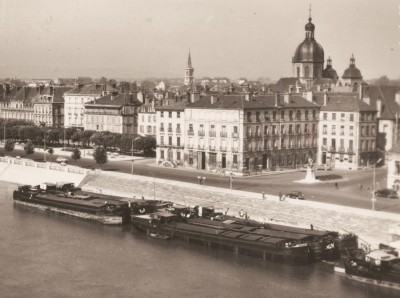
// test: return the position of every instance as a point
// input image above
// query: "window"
(169, 127)
(162, 114)
(141, 128)
(178, 127)
(178, 155)
(169, 114)
(178, 114)
(248, 116)
(333, 116)
(162, 127)
(373, 131)
(342, 117)
(178, 141)
(306, 72)
(298, 115)
(333, 129)
(290, 129)
(149, 118)
(324, 141)
(291, 115)
(266, 130)
(162, 154)
(298, 127)
(274, 129)
(282, 115)
(162, 140)
(148, 129)
(351, 117)
(351, 131)
(314, 115)
(342, 130)
(362, 130)
(324, 129)
(306, 115)
(274, 115)
(213, 158)
(351, 145)
(266, 117)
(257, 116)
(235, 129)
(235, 159)
(306, 128)
(367, 130)
(397, 164)
(191, 127)
(314, 128)
(170, 141)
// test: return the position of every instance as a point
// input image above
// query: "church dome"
(352, 72)
(329, 72)
(309, 50)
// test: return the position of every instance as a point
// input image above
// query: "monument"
(310, 176)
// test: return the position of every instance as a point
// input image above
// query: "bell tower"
(189, 71)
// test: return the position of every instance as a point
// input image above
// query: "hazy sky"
(135, 39)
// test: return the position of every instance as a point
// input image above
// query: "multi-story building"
(75, 100)
(393, 176)
(18, 104)
(147, 123)
(244, 132)
(113, 112)
(170, 134)
(48, 106)
(348, 131)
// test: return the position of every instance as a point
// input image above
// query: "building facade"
(147, 122)
(75, 100)
(113, 112)
(348, 132)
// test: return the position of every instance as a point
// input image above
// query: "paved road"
(348, 194)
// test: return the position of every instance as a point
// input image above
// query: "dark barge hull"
(375, 282)
(83, 211)
(253, 245)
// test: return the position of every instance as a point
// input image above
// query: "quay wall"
(26, 171)
(370, 226)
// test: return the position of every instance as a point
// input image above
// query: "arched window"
(306, 72)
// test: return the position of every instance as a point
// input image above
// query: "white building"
(147, 121)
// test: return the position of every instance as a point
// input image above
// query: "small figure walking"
(336, 185)
(280, 196)
(263, 195)
(361, 186)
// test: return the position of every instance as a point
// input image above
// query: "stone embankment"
(370, 226)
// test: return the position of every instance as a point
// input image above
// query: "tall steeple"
(189, 71)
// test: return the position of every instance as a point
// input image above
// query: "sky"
(151, 38)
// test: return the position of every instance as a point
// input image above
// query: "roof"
(90, 89)
(116, 100)
(343, 102)
(58, 93)
(388, 96)
(352, 72)
(239, 102)
(284, 83)
(173, 106)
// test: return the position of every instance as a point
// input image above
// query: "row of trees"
(23, 131)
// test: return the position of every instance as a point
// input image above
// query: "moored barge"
(63, 200)
(226, 235)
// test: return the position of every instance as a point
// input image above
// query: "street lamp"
(201, 179)
(230, 181)
(373, 200)
(154, 186)
(132, 152)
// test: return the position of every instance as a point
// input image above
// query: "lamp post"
(230, 181)
(373, 200)
(132, 153)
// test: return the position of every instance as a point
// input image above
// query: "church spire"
(310, 27)
(189, 71)
(189, 63)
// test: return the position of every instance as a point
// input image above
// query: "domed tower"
(352, 75)
(308, 60)
(189, 71)
(329, 72)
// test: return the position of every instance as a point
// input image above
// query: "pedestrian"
(361, 186)
(263, 195)
(336, 185)
(280, 196)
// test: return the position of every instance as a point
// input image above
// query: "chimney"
(286, 98)
(325, 98)
(398, 98)
(194, 96)
(366, 100)
(361, 90)
(378, 107)
(276, 99)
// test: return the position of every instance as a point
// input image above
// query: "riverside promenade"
(371, 226)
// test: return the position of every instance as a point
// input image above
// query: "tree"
(9, 146)
(76, 137)
(68, 133)
(76, 154)
(100, 155)
(29, 148)
(51, 152)
(86, 135)
(148, 145)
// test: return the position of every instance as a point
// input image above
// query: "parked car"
(61, 159)
(298, 195)
(323, 167)
(387, 193)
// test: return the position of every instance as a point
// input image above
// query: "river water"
(48, 255)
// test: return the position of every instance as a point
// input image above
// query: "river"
(48, 255)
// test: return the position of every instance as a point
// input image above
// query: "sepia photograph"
(199, 148)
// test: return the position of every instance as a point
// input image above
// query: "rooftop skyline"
(137, 39)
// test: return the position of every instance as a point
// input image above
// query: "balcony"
(190, 133)
(162, 129)
(201, 147)
(212, 134)
(178, 130)
(170, 130)
(223, 134)
(211, 148)
(324, 148)
(223, 148)
(235, 135)
(341, 149)
(350, 150)
(190, 146)
(234, 149)
(201, 133)
(332, 149)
